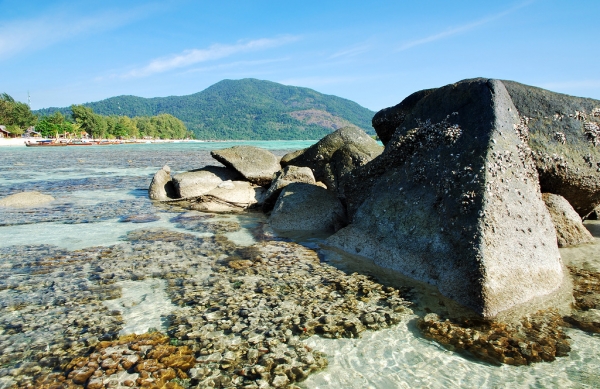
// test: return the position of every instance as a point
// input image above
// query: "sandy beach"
(15, 141)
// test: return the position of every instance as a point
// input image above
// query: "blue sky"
(374, 53)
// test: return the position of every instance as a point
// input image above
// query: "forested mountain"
(244, 109)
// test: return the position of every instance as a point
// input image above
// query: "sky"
(58, 53)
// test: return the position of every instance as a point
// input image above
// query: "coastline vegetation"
(18, 117)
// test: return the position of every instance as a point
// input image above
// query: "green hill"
(245, 109)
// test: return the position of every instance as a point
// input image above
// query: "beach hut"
(31, 133)
(4, 133)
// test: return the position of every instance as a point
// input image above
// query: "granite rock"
(199, 182)
(255, 164)
(25, 199)
(570, 230)
(564, 134)
(306, 207)
(335, 155)
(283, 178)
(454, 201)
(161, 187)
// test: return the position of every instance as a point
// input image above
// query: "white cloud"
(31, 34)
(460, 29)
(216, 51)
(350, 52)
(237, 64)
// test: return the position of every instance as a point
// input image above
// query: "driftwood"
(206, 199)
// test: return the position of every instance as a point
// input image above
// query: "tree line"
(17, 117)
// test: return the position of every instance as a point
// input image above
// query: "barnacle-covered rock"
(568, 163)
(454, 201)
(388, 120)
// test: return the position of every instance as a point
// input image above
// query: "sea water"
(98, 188)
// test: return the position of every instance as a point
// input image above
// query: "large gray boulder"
(306, 207)
(161, 187)
(199, 182)
(336, 155)
(25, 199)
(283, 178)
(454, 201)
(570, 230)
(563, 132)
(255, 164)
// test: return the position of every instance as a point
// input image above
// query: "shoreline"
(20, 142)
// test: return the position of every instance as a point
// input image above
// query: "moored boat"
(44, 143)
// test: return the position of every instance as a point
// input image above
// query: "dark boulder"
(306, 207)
(283, 178)
(386, 121)
(564, 134)
(335, 155)
(454, 201)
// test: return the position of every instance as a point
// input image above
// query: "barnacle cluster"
(579, 115)
(398, 117)
(560, 137)
(592, 132)
(522, 129)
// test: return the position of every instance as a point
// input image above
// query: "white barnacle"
(580, 115)
(592, 132)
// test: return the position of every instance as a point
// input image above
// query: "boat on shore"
(44, 143)
(74, 142)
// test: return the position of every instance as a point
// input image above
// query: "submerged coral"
(536, 338)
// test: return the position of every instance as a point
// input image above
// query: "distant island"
(240, 109)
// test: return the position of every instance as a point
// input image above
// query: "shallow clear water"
(98, 188)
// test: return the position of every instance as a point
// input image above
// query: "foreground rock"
(305, 207)
(161, 187)
(25, 199)
(454, 201)
(564, 134)
(201, 181)
(337, 154)
(255, 164)
(283, 178)
(569, 227)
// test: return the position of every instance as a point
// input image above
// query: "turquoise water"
(98, 188)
